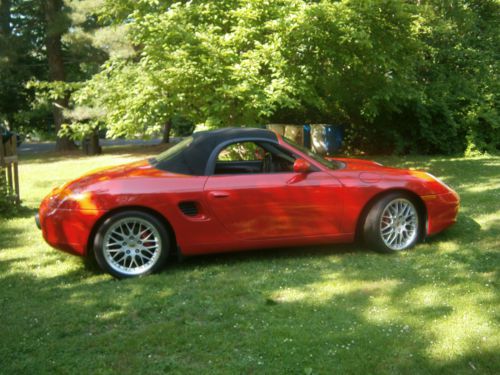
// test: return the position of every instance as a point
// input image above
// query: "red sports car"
(237, 189)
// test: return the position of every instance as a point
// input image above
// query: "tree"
(56, 26)
(91, 40)
(5, 17)
(187, 68)
(414, 76)
(459, 77)
(20, 40)
(76, 44)
(244, 62)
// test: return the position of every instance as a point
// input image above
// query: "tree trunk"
(91, 144)
(166, 131)
(5, 18)
(53, 33)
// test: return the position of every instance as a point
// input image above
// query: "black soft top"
(205, 146)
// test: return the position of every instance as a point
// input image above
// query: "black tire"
(144, 247)
(378, 231)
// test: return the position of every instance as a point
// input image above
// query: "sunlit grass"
(320, 310)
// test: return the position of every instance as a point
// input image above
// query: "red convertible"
(236, 189)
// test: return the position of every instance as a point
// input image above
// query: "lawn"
(318, 310)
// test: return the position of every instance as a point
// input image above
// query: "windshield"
(332, 164)
(173, 151)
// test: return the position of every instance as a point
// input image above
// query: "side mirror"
(301, 166)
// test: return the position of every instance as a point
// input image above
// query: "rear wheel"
(393, 223)
(130, 244)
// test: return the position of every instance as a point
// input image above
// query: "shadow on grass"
(236, 313)
(21, 212)
(273, 254)
(232, 313)
(465, 229)
(5, 264)
(11, 236)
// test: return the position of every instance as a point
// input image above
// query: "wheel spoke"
(143, 257)
(132, 246)
(119, 231)
(116, 237)
(119, 257)
(147, 237)
(391, 237)
(398, 224)
(150, 252)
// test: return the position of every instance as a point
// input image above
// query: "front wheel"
(393, 224)
(130, 244)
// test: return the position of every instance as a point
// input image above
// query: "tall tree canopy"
(412, 76)
(21, 43)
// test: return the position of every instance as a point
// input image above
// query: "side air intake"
(188, 208)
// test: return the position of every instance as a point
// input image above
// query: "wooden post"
(9, 178)
(16, 184)
(15, 168)
(9, 162)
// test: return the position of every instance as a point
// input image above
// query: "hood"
(372, 172)
(361, 164)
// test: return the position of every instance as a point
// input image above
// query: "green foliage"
(182, 127)
(52, 90)
(130, 98)
(351, 59)
(457, 106)
(459, 77)
(21, 39)
(190, 67)
(403, 77)
(241, 151)
(26, 96)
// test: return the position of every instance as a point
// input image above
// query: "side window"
(242, 151)
(251, 157)
(240, 158)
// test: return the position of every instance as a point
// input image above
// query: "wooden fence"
(9, 166)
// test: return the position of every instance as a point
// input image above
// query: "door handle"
(219, 194)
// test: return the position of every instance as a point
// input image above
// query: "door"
(274, 202)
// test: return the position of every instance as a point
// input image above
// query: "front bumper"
(67, 230)
(442, 211)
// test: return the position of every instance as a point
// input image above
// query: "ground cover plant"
(328, 309)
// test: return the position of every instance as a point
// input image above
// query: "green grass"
(320, 310)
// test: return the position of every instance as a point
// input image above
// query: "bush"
(182, 127)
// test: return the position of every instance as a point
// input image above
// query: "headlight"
(76, 201)
(438, 180)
